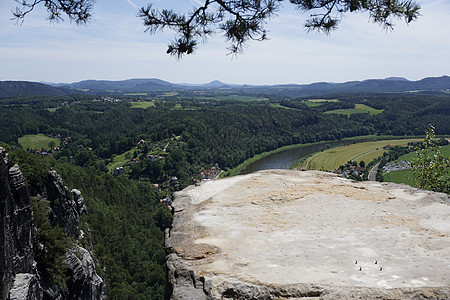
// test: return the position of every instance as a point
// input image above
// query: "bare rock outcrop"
(17, 231)
(26, 286)
(66, 206)
(84, 282)
(19, 276)
(280, 234)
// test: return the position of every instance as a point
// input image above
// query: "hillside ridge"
(147, 85)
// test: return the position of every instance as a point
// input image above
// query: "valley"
(163, 139)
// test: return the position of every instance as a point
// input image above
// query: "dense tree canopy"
(183, 135)
(239, 20)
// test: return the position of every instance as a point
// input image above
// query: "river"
(284, 159)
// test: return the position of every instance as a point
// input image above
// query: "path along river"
(284, 159)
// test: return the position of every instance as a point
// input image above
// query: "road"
(363, 154)
(373, 173)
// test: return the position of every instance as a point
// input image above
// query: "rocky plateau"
(282, 234)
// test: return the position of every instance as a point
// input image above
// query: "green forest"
(179, 135)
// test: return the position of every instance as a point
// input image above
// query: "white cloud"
(134, 5)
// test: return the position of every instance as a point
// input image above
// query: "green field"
(314, 104)
(136, 94)
(335, 157)
(405, 176)
(319, 102)
(52, 109)
(359, 109)
(322, 100)
(401, 176)
(37, 141)
(232, 97)
(170, 94)
(445, 150)
(142, 104)
(120, 160)
(278, 105)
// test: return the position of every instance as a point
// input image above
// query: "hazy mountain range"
(387, 85)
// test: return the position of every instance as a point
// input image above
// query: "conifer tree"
(239, 20)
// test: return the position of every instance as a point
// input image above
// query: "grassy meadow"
(37, 141)
(322, 100)
(142, 104)
(121, 159)
(359, 109)
(314, 104)
(333, 158)
(280, 106)
(319, 102)
(400, 176)
(405, 176)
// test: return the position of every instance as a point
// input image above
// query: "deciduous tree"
(430, 167)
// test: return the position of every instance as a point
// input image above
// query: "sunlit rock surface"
(282, 234)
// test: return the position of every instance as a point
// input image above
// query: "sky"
(114, 46)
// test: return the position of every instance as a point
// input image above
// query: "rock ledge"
(281, 234)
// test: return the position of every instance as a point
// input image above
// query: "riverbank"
(237, 170)
(367, 151)
(247, 163)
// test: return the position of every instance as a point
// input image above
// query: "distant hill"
(216, 84)
(129, 85)
(147, 85)
(10, 89)
(397, 78)
(388, 85)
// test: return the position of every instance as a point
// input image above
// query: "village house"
(209, 173)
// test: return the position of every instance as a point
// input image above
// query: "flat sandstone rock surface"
(285, 232)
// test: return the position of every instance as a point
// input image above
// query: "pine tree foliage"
(53, 245)
(239, 20)
(244, 20)
(78, 11)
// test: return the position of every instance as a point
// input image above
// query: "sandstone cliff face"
(281, 234)
(19, 278)
(17, 233)
(66, 206)
(84, 282)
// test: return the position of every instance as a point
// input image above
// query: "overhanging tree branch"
(238, 20)
(243, 20)
(78, 11)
